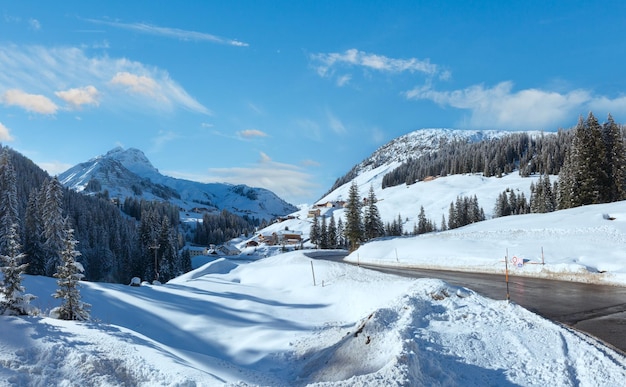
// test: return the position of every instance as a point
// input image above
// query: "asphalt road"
(599, 310)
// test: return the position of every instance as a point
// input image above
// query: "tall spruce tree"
(594, 165)
(615, 162)
(34, 238)
(373, 224)
(53, 224)
(68, 275)
(354, 222)
(9, 216)
(14, 301)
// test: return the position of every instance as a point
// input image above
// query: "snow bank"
(580, 244)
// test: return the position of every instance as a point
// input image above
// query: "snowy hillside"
(128, 173)
(420, 142)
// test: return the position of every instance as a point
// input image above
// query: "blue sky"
(289, 95)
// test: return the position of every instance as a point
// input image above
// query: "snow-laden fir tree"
(34, 238)
(68, 275)
(14, 301)
(341, 238)
(615, 162)
(324, 243)
(9, 216)
(314, 233)
(332, 232)
(354, 222)
(53, 220)
(372, 222)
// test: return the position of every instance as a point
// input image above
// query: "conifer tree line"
(515, 151)
(363, 221)
(114, 245)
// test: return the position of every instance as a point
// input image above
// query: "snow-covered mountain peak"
(123, 173)
(133, 159)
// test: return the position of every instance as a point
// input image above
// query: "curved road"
(599, 310)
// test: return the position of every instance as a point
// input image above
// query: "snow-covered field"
(266, 323)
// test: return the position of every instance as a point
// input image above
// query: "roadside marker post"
(506, 275)
(313, 271)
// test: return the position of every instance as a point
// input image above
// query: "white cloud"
(605, 104)
(45, 71)
(325, 63)
(5, 134)
(134, 83)
(35, 103)
(251, 133)
(171, 32)
(79, 96)
(501, 107)
(343, 80)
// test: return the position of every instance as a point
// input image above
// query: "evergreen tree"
(9, 216)
(68, 275)
(169, 266)
(422, 223)
(14, 301)
(583, 175)
(324, 244)
(615, 162)
(332, 232)
(53, 221)
(34, 239)
(354, 222)
(315, 232)
(444, 224)
(373, 225)
(341, 239)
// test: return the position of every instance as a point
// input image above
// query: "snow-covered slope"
(266, 323)
(129, 173)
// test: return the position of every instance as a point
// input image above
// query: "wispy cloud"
(80, 96)
(34, 24)
(168, 32)
(5, 133)
(162, 138)
(501, 107)
(288, 181)
(54, 168)
(119, 82)
(139, 84)
(35, 103)
(335, 123)
(326, 63)
(251, 133)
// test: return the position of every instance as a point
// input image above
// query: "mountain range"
(123, 173)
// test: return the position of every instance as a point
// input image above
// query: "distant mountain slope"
(414, 145)
(128, 173)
